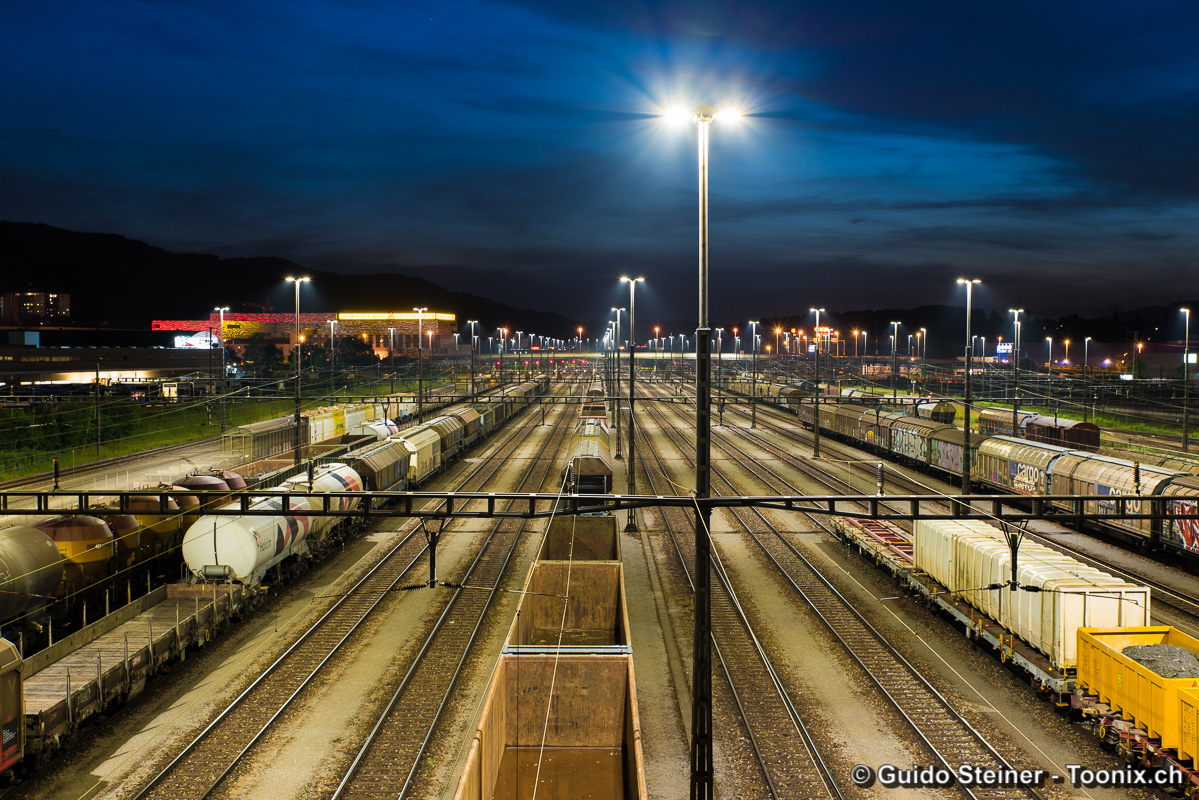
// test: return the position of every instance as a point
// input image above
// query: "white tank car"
(328, 478)
(244, 548)
(379, 428)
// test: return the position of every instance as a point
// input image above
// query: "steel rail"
(436, 637)
(345, 602)
(890, 671)
(723, 592)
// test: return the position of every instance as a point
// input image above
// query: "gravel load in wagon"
(1167, 660)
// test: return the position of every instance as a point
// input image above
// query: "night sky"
(516, 150)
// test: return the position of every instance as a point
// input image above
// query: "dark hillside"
(119, 282)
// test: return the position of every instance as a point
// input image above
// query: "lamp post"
(894, 373)
(1049, 364)
(1016, 312)
(631, 527)
(472, 323)
(295, 354)
(1186, 382)
(924, 353)
(701, 708)
(816, 396)
(1086, 389)
(616, 380)
(391, 357)
(499, 340)
(224, 369)
(657, 348)
(332, 355)
(983, 341)
(720, 374)
(969, 284)
(753, 401)
(432, 372)
(420, 363)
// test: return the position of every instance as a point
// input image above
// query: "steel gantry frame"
(491, 505)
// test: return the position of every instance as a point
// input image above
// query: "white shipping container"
(966, 556)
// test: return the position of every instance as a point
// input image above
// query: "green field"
(67, 429)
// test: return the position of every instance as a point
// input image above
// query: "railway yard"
(349, 656)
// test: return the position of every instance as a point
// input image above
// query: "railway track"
(1184, 603)
(388, 761)
(787, 753)
(203, 765)
(948, 735)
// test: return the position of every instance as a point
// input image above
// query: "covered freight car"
(941, 411)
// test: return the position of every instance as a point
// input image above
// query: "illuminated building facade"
(26, 308)
(372, 327)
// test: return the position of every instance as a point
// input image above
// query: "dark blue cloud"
(513, 149)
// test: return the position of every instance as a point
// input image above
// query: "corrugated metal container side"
(1080, 473)
(1183, 498)
(424, 447)
(1188, 723)
(1140, 694)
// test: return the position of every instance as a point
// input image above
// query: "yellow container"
(1141, 695)
(1188, 710)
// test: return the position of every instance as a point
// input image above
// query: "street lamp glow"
(632, 463)
(969, 284)
(296, 352)
(701, 690)
(1186, 381)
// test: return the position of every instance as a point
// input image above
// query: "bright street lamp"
(332, 354)
(701, 708)
(224, 369)
(816, 396)
(1016, 312)
(632, 466)
(391, 357)
(894, 373)
(753, 402)
(969, 284)
(420, 363)
(296, 354)
(924, 353)
(472, 323)
(1085, 368)
(616, 381)
(1186, 382)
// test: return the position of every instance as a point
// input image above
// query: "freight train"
(54, 564)
(32, 560)
(562, 701)
(248, 549)
(1040, 428)
(1066, 627)
(1026, 467)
